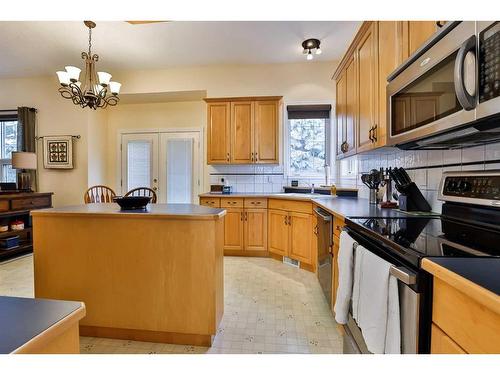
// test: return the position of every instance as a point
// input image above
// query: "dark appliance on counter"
(447, 94)
(410, 197)
(469, 226)
(324, 232)
(221, 189)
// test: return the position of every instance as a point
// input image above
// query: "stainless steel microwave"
(447, 94)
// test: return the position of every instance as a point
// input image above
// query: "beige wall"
(56, 116)
(96, 152)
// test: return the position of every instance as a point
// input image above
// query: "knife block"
(412, 199)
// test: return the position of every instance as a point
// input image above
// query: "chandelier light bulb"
(63, 77)
(73, 73)
(114, 87)
(318, 51)
(104, 78)
(309, 55)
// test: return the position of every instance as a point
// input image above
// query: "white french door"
(167, 162)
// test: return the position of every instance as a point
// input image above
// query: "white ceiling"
(42, 47)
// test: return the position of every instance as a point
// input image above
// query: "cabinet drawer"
(289, 205)
(211, 202)
(441, 343)
(4, 206)
(30, 203)
(231, 202)
(255, 203)
(471, 325)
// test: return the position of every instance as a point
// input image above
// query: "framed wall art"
(58, 152)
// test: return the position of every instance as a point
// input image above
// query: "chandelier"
(95, 90)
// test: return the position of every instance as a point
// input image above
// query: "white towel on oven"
(375, 303)
(345, 266)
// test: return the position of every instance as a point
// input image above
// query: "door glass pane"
(179, 170)
(138, 164)
(427, 99)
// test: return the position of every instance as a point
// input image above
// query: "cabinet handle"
(289, 220)
(375, 133)
(255, 157)
(440, 23)
(370, 134)
(316, 229)
(241, 216)
(228, 156)
(338, 228)
(286, 223)
(246, 216)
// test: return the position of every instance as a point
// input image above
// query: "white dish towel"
(344, 290)
(375, 303)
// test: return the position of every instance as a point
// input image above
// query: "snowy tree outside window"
(307, 146)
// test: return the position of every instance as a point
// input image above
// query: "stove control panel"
(471, 187)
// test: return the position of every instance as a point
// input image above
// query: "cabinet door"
(267, 120)
(367, 88)
(242, 123)
(233, 229)
(301, 231)
(351, 107)
(415, 34)
(278, 232)
(441, 343)
(340, 112)
(389, 58)
(218, 133)
(255, 232)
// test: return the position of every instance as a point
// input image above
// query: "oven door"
(489, 68)
(413, 306)
(437, 91)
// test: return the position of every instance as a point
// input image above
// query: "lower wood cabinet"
(442, 343)
(233, 229)
(291, 235)
(255, 229)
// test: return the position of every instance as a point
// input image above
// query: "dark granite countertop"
(484, 272)
(21, 319)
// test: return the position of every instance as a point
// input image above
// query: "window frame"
(4, 162)
(328, 145)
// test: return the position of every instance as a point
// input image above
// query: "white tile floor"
(269, 308)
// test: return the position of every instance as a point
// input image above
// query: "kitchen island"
(154, 275)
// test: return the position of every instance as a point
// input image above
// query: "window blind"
(297, 112)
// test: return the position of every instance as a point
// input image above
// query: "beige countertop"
(290, 196)
(162, 211)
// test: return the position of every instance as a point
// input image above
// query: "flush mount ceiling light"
(95, 90)
(310, 46)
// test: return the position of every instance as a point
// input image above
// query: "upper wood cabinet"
(243, 130)
(367, 58)
(218, 132)
(361, 80)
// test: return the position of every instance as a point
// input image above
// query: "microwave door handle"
(465, 95)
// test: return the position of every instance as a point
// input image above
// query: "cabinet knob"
(255, 157)
(228, 156)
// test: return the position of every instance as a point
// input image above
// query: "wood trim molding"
(242, 99)
(365, 26)
(481, 295)
(37, 343)
(148, 336)
(246, 253)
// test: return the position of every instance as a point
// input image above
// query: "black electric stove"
(468, 227)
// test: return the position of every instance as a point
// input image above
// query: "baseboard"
(247, 253)
(148, 336)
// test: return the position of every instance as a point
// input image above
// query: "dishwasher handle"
(323, 214)
(404, 275)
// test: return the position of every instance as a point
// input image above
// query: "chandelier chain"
(90, 40)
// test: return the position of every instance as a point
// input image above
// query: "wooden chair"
(142, 192)
(99, 194)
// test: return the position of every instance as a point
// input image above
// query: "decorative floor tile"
(269, 308)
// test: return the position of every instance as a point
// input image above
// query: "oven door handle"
(404, 275)
(466, 98)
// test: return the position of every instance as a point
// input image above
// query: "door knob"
(155, 180)
(155, 188)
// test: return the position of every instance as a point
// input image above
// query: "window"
(8, 143)
(309, 140)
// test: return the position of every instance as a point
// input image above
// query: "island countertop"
(157, 211)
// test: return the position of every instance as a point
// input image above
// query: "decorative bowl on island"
(132, 203)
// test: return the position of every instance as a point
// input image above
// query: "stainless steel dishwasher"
(324, 231)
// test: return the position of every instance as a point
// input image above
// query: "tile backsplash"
(424, 167)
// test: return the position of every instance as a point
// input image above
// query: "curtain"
(26, 132)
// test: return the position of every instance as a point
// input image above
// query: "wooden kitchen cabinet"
(218, 133)
(442, 343)
(301, 231)
(340, 113)
(266, 134)
(367, 61)
(415, 34)
(243, 130)
(233, 229)
(255, 229)
(279, 238)
(347, 110)
(242, 124)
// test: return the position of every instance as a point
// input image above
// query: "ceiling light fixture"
(96, 90)
(309, 46)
